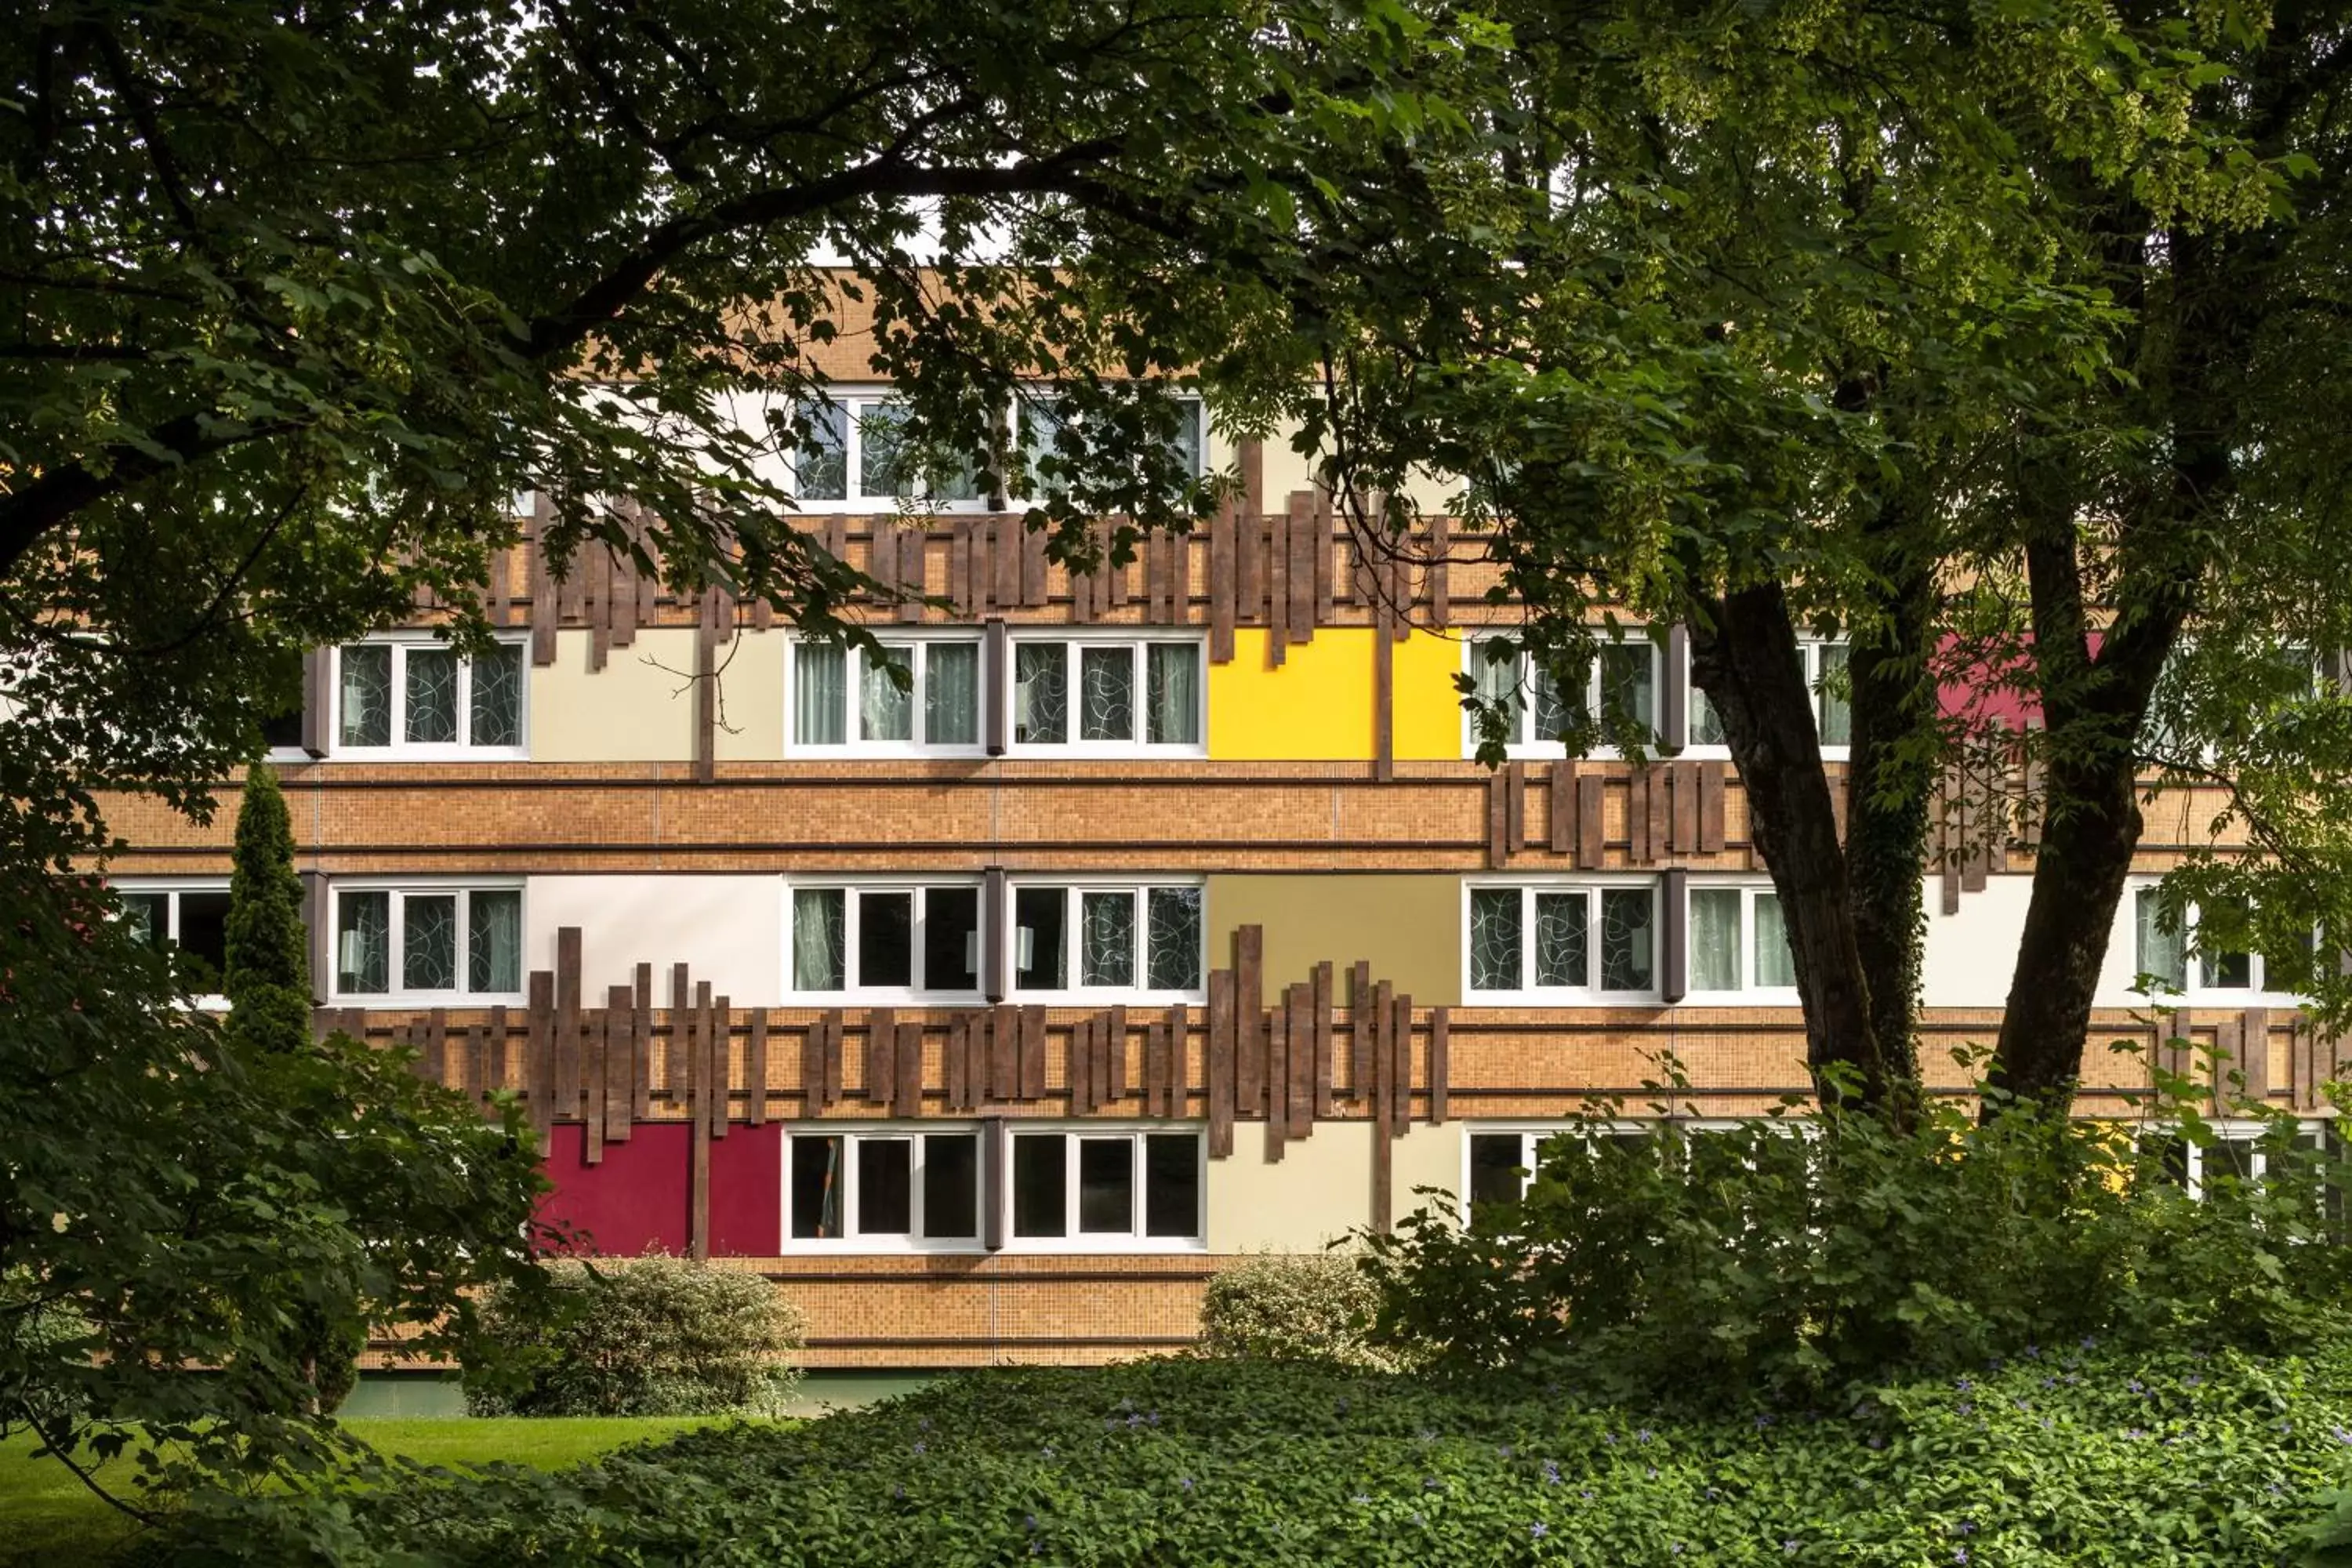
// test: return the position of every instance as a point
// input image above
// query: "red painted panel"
(747, 1191)
(1977, 688)
(636, 1199)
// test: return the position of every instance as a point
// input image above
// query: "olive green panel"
(1407, 926)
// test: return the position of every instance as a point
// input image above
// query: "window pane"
(1549, 717)
(428, 942)
(951, 939)
(1775, 964)
(1494, 939)
(432, 692)
(1037, 941)
(816, 1187)
(1106, 693)
(1705, 723)
(1041, 427)
(493, 942)
(950, 1185)
(1041, 698)
(148, 918)
(2161, 953)
(1041, 1185)
(363, 942)
(2230, 1156)
(202, 936)
(1563, 945)
(885, 713)
(1187, 443)
(886, 1186)
(951, 694)
(1714, 938)
(819, 945)
(881, 457)
(1172, 694)
(957, 480)
(820, 696)
(1106, 938)
(1499, 684)
(1494, 1162)
(2227, 971)
(1629, 688)
(282, 730)
(1835, 707)
(1172, 951)
(822, 467)
(1172, 1183)
(1107, 1186)
(364, 697)
(886, 939)
(495, 715)
(1627, 962)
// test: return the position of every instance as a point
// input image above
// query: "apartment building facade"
(1162, 915)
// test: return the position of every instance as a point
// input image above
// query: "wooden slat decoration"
(1498, 840)
(1559, 814)
(975, 1058)
(1682, 839)
(1032, 570)
(907, 1098)
(1223, 589)
(881, 1062)
(1218, 1063)
(718, 1067)
(813, 1067)
(1078, 1066)
(476, 1067)
(1249, 562)
(1112, 570)
(1033, 1053)
(1383, 695)
(882, 562)
(546, 615)
(1711, 832)
(539, 1052)
(1441, 590)
(1372, 1022)
(699, 1112)
(1657, 805)
(499, 605)
(2229, 1048)
(705, 691)
(1112, 1075)
(1383, 1066)
(951, 1064)
(617, 1104)
(1360, 1031)
(835, 1029)
(1004, 1054)
(1298, 1006)
(1278, 580)
(596, 1041)
(494, 1061)
(1303, 577)
(1004, 565)
(1155, 1069)
(960, 592)
(677, 1061)
(1441, 1064)
(1637, 815)
(1322, 1004)
(755, 1069)
(598, 570)
(567, 1021)
(1277, 1083)
(1180, 1039)
(437, 1046)
(1400, 1037)
(1515, 803)
(914, 560)
(1589, 822)
(1322, 548)
(641, 1054)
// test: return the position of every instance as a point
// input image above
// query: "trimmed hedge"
(2077, 1459)
(1293, 1306)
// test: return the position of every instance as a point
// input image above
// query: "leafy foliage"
(1310, 1306)
(267, 976)
(2070, 1456)
(655, 1336)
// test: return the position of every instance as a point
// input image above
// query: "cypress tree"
(267, 973)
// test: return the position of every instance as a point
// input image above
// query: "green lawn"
(47, 1517)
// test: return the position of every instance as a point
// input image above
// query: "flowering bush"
(1292, 1306)
(654, 1336)
(2071, 1457)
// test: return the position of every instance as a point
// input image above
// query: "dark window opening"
(950, 1185)
(886, 939)
(816, 1188)
(1041, 1186)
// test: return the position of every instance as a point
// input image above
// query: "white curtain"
(1172, 694)
(1775, 966)
(1836, 710)
(951, 694)
(2163, 953)
(1714, 938)
(493, 942)
(885, 712)
(820, 948)
(820, 694)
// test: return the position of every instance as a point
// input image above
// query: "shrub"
(655, 1336)
(1788, 1257)
(1293, 1306)
(2079, 1461)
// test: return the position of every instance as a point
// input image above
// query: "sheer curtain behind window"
(951, 694)
(820, 939)
(1172, 693)
(1714, 938)
(1775, 966)
(819, 695)
(494, 942)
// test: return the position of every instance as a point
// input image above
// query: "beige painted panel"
(1286, 470)
(727, 929)
(1407, 925)
(1321, 1190)
(638, 709)
(1425, 1157)
(751, 698)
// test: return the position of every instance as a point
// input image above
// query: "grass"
(46, 1516)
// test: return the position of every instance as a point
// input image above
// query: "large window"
(2172, 955)
(853, 699)
(423, 698)
(887, 940)
(1108, 695)
(1112, 940)
(187, 920)
(1619, 692)
(1825, 671)
(1089, 1188)
(428, 943)
(884, 1189)
(2236, 1150)
(857, 453)
(1500, 1164)
(1738, 946)
(1563, 941)
(1050, 441)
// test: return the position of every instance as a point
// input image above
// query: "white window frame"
(912, 993)
(855, 1239)
(1523, 746)
(1036, 393)
(207, 1001)
(1136, 1239)
(1810, 650)
(1749, 993)
(2231, 1129)
(395, 993)
(1532, 1135)
(1073, 888)
(1591, 884)
(856, 661)
(399, 749)
(1076, 640)
(2195, 993)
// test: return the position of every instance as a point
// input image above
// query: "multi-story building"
(1165, 916)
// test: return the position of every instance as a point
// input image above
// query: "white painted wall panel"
(1969, 955)
(729, 929)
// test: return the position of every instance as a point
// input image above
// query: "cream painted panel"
(752, 692)
(1322, 1189)
(1969, 955)
(1286, 470)
(638, 709)
(729, 931)
(1425, 1157)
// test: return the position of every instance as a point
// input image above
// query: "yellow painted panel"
(632, 711)
(1315, 706)
(1428, 704)
(1406, 925)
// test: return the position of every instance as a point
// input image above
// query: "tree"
(266, 975)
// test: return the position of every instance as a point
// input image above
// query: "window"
(423, 698)
(887, 940)
(188, 921)
(2169, 959)
(2238, 1150)
(884, 1189)
(1118, 940)
(855, 451)
(1501, 1163)
(846, 697)
(1051, 438)
(1825, 666)
(1093, 1188)
(429, 944)
(1739, 944)
(1107, 696)
(1563, 940)
(1620, 686)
